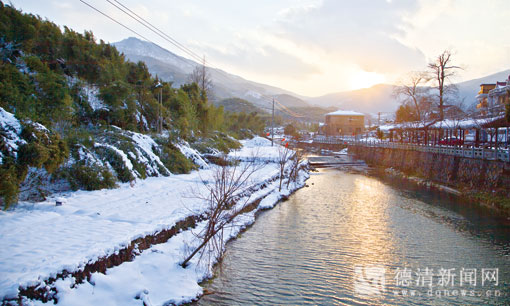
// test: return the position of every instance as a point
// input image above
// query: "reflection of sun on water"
(369, 221)
(371, 241)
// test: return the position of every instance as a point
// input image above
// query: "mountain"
(237, 105)
(291, 101)
(175, 68)
(377, 98)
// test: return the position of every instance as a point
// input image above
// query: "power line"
(112, 19)
(124, 26)
(177, 44)
(156, 30)
(173, 41)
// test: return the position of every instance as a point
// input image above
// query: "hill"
(75, 114)
(238, 105)
(378, 98)
(291, 101)
(174, 68)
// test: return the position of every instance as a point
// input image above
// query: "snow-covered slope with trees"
(91, 225)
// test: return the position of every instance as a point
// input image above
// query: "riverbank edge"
(478, 194)
(45, 290)
(486, 200)
(257, 209)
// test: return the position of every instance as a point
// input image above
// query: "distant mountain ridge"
(175, 68)
(378, 98)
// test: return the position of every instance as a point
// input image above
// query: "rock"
(60, 201)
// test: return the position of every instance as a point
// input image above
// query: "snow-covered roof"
(468, 123)
(387, 127)
(344, 113)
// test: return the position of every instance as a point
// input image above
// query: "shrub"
(175, 161)
(9, 185)
(86, 177)
(219, 141)
(117, 163)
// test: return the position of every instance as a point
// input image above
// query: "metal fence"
(472, 152)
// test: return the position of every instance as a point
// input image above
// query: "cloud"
(366, 32)
(261, 59)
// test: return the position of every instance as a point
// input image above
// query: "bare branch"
(224, 202)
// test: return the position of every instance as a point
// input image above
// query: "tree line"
(72, 83)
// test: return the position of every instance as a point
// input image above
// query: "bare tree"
(412, 91)
(202, 77)
(442, 71)
(222, 196)
(284, 154)
(296, 160)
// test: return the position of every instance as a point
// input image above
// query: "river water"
(351, 239)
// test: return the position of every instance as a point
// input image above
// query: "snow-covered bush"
(25, 144)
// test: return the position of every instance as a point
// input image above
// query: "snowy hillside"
(172, 67)
(134, 47)
(93, 225)
(124, 155)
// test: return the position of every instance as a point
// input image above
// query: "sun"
(364, 79)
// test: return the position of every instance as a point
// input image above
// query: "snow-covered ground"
(40, 240)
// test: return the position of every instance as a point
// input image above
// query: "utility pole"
(160, 120)
(272, 125)
(161, 109)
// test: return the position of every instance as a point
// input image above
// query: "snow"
(254, 94)
(342, 152)
(256, 142)
(344, 113)
(468, 123)
(465, 123)
(146, 143)
(93, 224)
(134, 47)
(123, 155)
(156, 276)
(141, 118)
(12, 129)
(192, 154)
(257, 147)
(92, 93)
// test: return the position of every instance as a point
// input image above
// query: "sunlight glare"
(364, 79)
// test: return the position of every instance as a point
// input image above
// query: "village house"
(343, 123)
(493, 97)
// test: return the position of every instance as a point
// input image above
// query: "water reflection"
(304, 251)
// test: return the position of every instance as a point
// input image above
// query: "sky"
(310, 47)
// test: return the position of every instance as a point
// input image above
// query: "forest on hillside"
(74, 113)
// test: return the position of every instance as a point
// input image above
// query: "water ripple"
(304, 251)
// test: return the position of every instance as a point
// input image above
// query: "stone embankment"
(487, 181)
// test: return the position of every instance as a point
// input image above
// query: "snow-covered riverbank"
(41, 240)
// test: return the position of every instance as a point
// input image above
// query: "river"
(352, 239)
